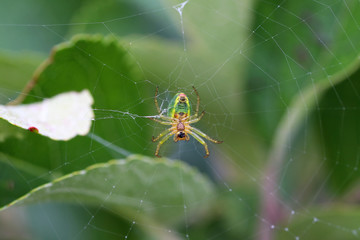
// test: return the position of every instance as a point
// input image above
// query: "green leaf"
(126, 186)
(307, 98)
(331, 223)
(14, 177)
(295, 97)
(101, 65)
(295, 55)
(67, 219)
(339, 130)
(287, 132)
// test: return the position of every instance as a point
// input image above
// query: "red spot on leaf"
(33, 129)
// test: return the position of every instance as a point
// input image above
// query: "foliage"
(297, 74)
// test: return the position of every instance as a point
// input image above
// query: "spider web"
(271, 91)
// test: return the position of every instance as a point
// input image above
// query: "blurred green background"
(279, 81)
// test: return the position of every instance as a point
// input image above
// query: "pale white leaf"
(61, 117)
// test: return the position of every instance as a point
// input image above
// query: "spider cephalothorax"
(179, 117)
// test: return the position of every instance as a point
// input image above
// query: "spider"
(179, 118)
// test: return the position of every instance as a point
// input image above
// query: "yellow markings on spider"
(180, 119)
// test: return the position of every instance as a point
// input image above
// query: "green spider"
(178, 116)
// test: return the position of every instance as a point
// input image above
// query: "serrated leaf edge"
(131, 158)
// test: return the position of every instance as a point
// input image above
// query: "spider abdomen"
(179, 106)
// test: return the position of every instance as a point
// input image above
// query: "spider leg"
(204, 135)
(164, 139)
(162, 134)
(155, 99)
(159, 121)
(158, 108)
(167, 118)
(198, 102)
(200, 140)
(196, 119)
